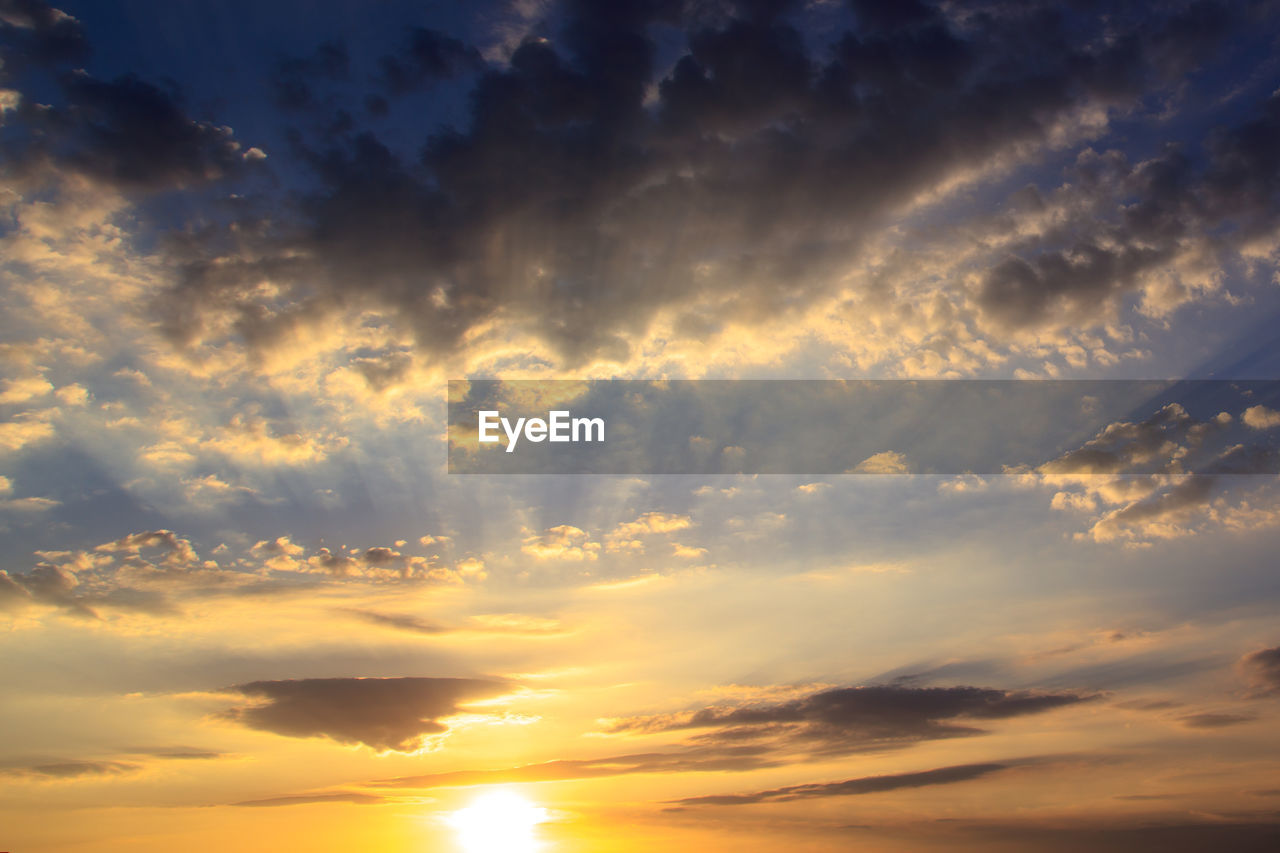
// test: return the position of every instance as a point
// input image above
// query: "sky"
(245, 247)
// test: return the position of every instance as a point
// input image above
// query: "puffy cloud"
(885, 462)
(26, 429)
(562, 542)
(1163, 228)
(593, 201)
(155, 572)
(382, 713)
(178, 551)
(292, 80)
(379, 562)
(428, 55)
(24, 389)
(126, 134)
(627, 536)
(35, 32)
(1260, 417)
(1164, 476)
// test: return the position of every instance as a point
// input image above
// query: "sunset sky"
(245, 246)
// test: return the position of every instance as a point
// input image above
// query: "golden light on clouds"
(263, 588)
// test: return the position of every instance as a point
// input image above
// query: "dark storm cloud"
(852, 787)
(126, 133)
(592, 188)
(33, 32)
(856, 718)
(293, 76)
(383, 713)
(1146, 217)
(427, 56)
(131, 134)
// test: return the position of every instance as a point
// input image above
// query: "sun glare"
(498, 822)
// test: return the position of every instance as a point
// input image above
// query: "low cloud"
(399, 621)
(695, 760)
(1214, 721)
(354, 797)
(858, 718)
(66, 770)
(1168, 475)
(381, 713)
(1263, 669)
(852, 787)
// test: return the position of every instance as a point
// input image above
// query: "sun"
(498, 822)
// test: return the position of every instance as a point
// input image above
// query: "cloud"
(628, 536)
(1139, 833)
(1166, 476)
(379, 562)
(36, 33)
(697, 760)
(1214, 721)
(399, 621)
(156, 572)
(428, 55)
(852, 787)
(1163, 228)
(125, 134)
(175, 753)
(46, 584)
(25, 429)
(291, 81)
(1260, 417)
(594, 197)
(1263, 668)
(885, 462)
(355, 797)
(857, 718)
(562, 542)
(65, 770)
(178, 552)
(381, 713)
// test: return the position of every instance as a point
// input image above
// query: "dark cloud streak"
(852, 787)
(382, 713)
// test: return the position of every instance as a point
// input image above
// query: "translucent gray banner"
(823, 427)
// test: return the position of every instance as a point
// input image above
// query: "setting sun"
(618, 426)
(498, 822)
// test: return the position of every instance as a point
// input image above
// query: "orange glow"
(499, 821)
